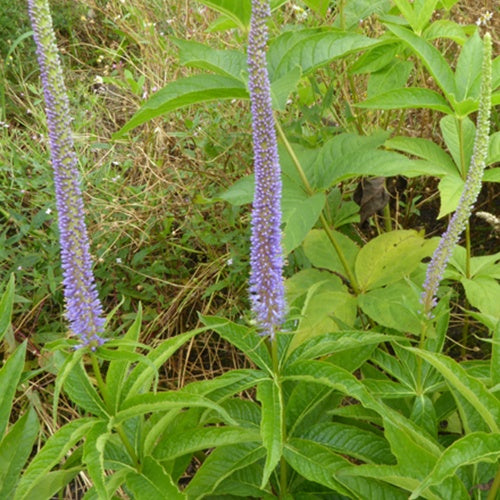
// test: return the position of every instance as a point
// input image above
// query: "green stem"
(322, 218)
(387, 218)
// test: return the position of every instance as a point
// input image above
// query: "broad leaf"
(389, 257)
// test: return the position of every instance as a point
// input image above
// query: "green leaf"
(15, 449)
(394, 306)
(431, 57)
(426, 150)
(203, 438)
(283, 87)
(184, 92)
(393, 77)
(495, 356)
(450, 189)
(320, 6)
(271, 425)
(78, 386)
(6, 303)
(163, 401)
(141, 377)
(444, 28)
(243, 338)
(93, 456)
(471, 449)
(230, 63)
(300, 283)
(390, 256)
(316, 462)
(323, 312)
(335, 342)
(311, 49)
(407, 98)
(483, 293)
(220, 465)
(10, 374)
(300, 220)
(239, 12)
(493, 150)
(51, 483)
(321, 253)
(118, 369)
(468, 386)
(424, 414)
(152, 482)
(352, 441)
(459, 137)
(468, 69)
(56, 447)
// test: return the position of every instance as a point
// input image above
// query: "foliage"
(361, 395)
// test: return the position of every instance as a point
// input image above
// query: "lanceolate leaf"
(183, 92)
(316, 462)
(473, 448)
(239, 12)
(15, 448)
(93, 456)
(407, 98)
(202, 439)
(434, 61)
(272, 424)
(153, 482)
(56, 447)
(10, 373)
(469, 387)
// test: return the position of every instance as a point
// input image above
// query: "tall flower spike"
(267, 290)
(83, 308)
(472, 187)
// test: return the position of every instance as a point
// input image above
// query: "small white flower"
(118, 260)
(48, 211)
(19, 268)
(229, 262)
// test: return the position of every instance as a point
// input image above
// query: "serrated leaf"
(431, 57)
(56, 447)
(203, 438)
(152, 482)
(471, 449)
(352, 441)
(315, 462)
(220, 465)
(244, 338)
(184, 92)
(147, 403)
(312, 49)
(93, 456)
(472, 389)
(15, 449)
(271, 425)
(334, 342)
(407, 98)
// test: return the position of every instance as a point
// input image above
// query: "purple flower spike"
(83, 308)
(267, 290)
(472, 187)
